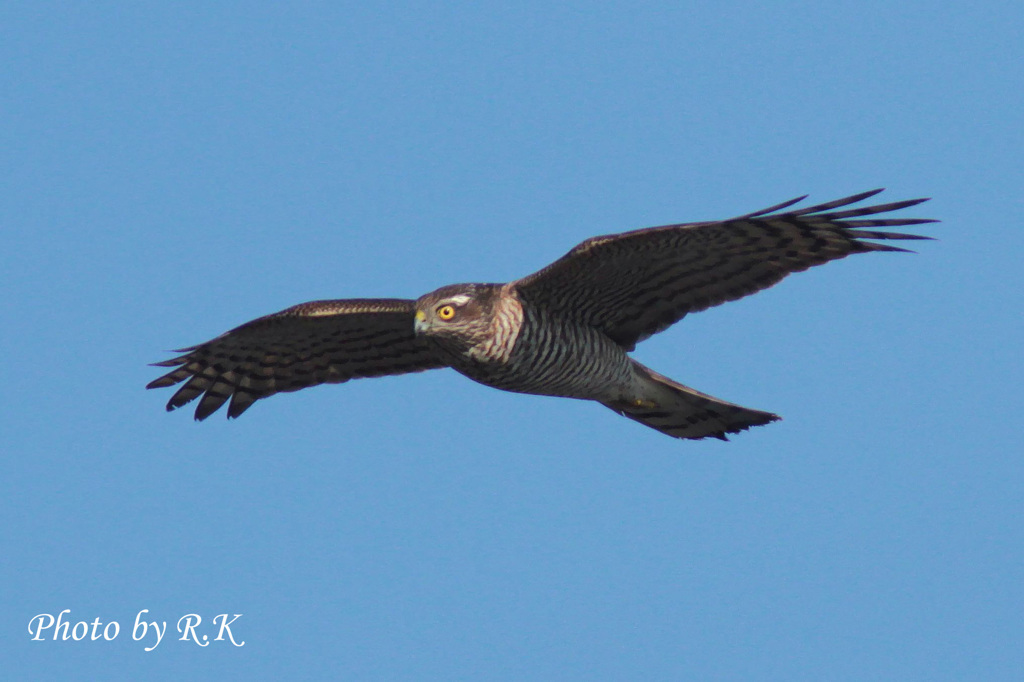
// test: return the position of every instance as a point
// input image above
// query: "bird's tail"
(681, 412)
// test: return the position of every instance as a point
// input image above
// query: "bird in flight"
(565, 330)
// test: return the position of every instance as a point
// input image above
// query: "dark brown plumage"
(305, 345)
(564, 330)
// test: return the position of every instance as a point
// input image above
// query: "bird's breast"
(550, 355)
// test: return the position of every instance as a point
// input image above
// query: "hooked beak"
(420, 325)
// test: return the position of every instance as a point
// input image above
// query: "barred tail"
(682, 412)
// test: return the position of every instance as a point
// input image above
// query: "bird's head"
(457, 315)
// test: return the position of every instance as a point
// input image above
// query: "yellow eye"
(446, 312)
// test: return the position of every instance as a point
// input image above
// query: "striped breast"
(558, 357)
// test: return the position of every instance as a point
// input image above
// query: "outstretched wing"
(305, 345)
(635, 284)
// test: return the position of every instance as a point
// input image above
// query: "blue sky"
(173, 170)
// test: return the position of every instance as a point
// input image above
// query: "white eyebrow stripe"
(461, 299)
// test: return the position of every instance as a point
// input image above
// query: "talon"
(640, 402)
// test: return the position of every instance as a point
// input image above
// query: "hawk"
(565, 330)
